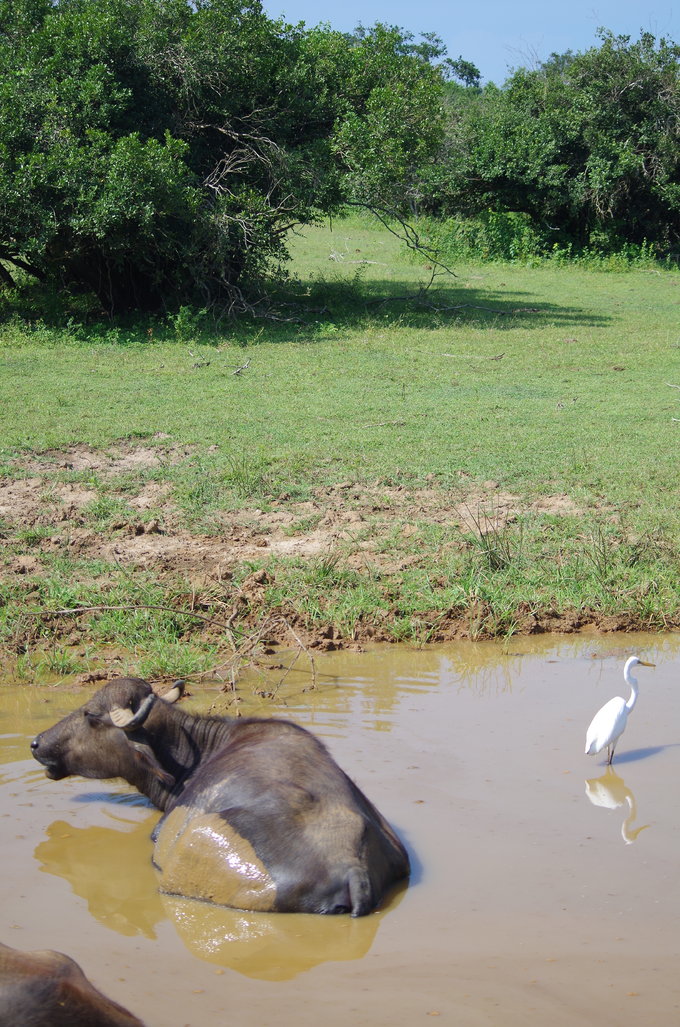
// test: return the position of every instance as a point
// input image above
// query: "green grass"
(544, 380)
(578, 400)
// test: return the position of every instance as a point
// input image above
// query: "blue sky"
(497, 35)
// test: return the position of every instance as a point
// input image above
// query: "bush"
(511, 236)
(157, 152)
(492, 235)
(586, 146)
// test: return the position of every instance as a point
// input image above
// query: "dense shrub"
(157, 152)
(587, 147)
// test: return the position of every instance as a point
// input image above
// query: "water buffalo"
(47, 989)
(258, 815)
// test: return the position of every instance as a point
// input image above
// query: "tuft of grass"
(249, 477)
(176, 659)
(499, 543)
(106, 510)
(58, 663)
(32, 536)
(303, 525)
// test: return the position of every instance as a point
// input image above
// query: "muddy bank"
(110, 519)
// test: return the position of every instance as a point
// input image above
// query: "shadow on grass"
(338, 305)
(305, 311)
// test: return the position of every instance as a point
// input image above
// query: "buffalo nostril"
(34, 744)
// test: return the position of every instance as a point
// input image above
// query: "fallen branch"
(473, 356)
(302, 646)
(76, 610)
(490, 310)
(339, 257)
(437, 309)
(393, 299)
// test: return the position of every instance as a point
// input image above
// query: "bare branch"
(76, 610)
(302, 647)
(6, 277)
(410, 236)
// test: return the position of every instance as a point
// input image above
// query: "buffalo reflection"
(110, 868)
(610, 791)
(272, 946)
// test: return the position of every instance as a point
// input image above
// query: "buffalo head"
(105, 737)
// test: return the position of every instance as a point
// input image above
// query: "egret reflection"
(611, 792)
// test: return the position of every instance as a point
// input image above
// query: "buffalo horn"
(128, 720)
(174, 693)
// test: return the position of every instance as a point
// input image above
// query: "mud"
(39, 498)
(544, 887)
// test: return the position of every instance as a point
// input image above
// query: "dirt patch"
(30, 502)
(357, 520)
(378, 527)
(39, 495)
(360, 517)
(122, 458)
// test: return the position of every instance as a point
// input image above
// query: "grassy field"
(496, 454)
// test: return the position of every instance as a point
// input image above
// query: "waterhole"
(545, 886)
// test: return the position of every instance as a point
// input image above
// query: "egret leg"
(610, 751)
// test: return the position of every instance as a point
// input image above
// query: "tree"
(158, 151)
(586, 145)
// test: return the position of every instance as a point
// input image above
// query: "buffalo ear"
(175, 693)
(144, 754)
(126, 719)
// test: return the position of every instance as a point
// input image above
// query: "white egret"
(609, 723)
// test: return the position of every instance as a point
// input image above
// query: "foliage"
(390, 136)
(586, 146)
(157, 152)
(491, 235)
(511, 236)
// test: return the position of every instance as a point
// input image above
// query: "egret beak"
(644, 663)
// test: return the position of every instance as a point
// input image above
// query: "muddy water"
(545, 887)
